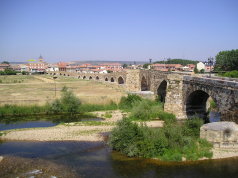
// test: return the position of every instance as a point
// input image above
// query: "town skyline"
(116, 31)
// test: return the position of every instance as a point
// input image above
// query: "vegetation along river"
(95, 159)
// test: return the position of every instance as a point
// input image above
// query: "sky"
(135, 30)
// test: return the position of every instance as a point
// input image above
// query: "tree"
(195, 69)
(124, 65)
(227, 60)
(5, 62)
(183, 62)
(145, 66)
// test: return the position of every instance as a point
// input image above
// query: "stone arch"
(161, 91)
(60, 74)
(78, 77)
(68, 75)
(90, 78)
(97, 78)
(84, 77)
(197, 104)
(112, 79)
(64, 74)
(120, 80)
(144, 84)
(106, 79)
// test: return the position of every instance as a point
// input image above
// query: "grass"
(35, 91)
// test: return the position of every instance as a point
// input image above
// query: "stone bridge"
(185, 95)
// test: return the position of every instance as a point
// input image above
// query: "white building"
(200, 66)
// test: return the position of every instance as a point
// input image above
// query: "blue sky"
(116, 29)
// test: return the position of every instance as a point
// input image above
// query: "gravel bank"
(81, 132)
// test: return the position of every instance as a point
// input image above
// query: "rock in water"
(221, 134)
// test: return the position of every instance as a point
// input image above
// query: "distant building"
(200, 66)
(37, 66)
(112, 66)
(167, 67)
(4, 66)
(62, 66)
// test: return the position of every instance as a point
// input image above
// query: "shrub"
(126, 103)
(56, 106)
(167, 117)
(69, 102)
(232, 74)
(171, 143)
(192, 127)
(143, 111)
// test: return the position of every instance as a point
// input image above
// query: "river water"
(94, 159)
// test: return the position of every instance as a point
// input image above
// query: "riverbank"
(91, 131)
(74, 131)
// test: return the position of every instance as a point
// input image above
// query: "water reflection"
(19, 122)
(94, 159)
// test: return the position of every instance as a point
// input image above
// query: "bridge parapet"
(212, 81)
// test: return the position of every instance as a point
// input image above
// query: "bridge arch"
(106, 79)
(84, 77)
(120, 80)
(64, 74)
(198, 103)
(161, 91)
(97, 78)
(144, 84)
(78, 77)
(90, 78)
(112, 79)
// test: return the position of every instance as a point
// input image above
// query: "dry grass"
(41, 89)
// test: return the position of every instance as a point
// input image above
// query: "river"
(95, 159)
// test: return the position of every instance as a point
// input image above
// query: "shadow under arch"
(78, 77)
(97, 78)
(161, 91)
(106, 79)
(144, 85)
(84, 77)
(90, 78)
(112, 79)
(120, 80)
(197, 105)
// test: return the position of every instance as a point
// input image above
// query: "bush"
(232, 74)
(56, 107)
(69, 102)
(148, 110)
(192, 127)
(171, 143)
(143, 110)
(126, 103)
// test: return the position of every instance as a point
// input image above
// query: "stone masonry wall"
(133, 83)
(174, 96)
